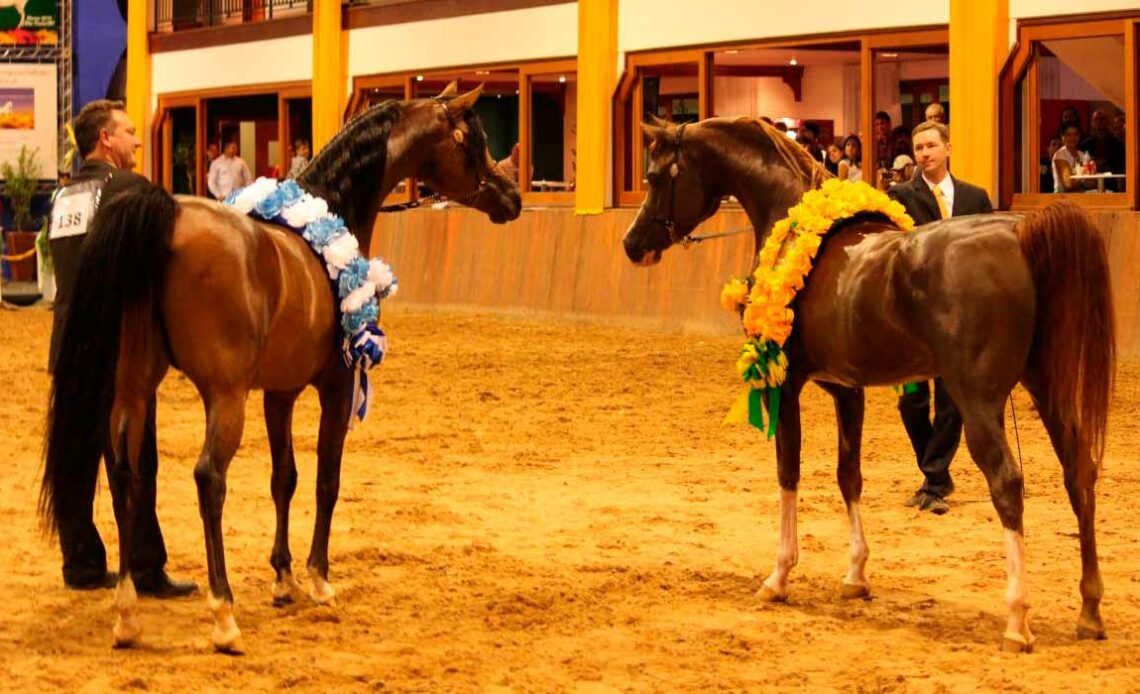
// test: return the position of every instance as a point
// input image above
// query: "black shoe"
(166, 587)
(935, 504)
(109, 579)
(916, 499)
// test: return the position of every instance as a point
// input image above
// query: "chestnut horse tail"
(122, 270)
(1074, 343)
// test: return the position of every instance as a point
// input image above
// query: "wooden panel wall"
(553, 260)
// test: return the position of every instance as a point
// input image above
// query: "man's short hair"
(92, 119)
(943, 131)
(812, 128)
(936, 106)
(300, 141)
(883, 115)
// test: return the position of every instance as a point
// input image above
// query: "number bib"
(74, 207)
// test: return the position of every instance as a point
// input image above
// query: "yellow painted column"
(979, 44)
(597, 64)
(330, 57)
(138, 92)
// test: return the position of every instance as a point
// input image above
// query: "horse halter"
(674, 171)
(439, 197)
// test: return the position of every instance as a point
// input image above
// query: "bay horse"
(984, 302)
(237, 305)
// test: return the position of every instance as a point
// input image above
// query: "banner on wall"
(28, 114)
(29, 22)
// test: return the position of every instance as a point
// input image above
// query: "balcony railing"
(175, 15)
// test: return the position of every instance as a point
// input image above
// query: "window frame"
(628, 91)
(1021, 66)
(160, 128)
(526, 70)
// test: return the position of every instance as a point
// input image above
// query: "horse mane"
(349, 170)
(795, 157)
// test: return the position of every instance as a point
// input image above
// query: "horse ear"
(450, 90)
(659, 122)
(652, 133)
(464, 102)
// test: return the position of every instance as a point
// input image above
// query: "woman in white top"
(1065, 162)
(849, 166)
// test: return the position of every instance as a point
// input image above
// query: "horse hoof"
(322, 592)
(855, 591)
(126, 632)
(766, 594)
(1090, 633)
(227, 637)
(284, 590)
(1016, 643)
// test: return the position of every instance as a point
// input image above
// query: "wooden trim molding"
(1094, 201)
(420, 10)
(209, 37)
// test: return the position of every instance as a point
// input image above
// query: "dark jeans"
(934, 442)
(85, 558)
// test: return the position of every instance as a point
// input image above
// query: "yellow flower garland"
(783, 266)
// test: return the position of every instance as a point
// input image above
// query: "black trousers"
(934, 442)
(84, 556)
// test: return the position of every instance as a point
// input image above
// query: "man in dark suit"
(931, 195)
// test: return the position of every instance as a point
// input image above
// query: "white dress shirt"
(227, 174)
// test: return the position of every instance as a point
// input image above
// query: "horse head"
(680, 194)
(457, 162)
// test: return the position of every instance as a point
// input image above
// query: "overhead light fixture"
(419, 78)
(793, 62)
(890, 55)
(482, 72)
(734, 51)
(562, 79)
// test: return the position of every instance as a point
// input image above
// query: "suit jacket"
(920, 204)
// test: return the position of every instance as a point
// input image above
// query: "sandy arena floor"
(543, 505)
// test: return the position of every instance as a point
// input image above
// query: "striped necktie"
(941, 198)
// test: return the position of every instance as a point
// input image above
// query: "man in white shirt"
(228, 173)
(934, 194)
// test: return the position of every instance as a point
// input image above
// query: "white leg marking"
(127, 627)
(1017, 635)
(226, 636)
(855, 584)
(776, 585)
(322, 591)
(284, 588)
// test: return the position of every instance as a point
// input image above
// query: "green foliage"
(20, 182)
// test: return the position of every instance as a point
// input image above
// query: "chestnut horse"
(237, 305)
(984, 302)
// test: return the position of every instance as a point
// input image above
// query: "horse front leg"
(775, 587)
(283, 483)
(335, 391)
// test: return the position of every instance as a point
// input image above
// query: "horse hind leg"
(849, 408)
(141, 367)
(334, 390)
(225, 419)
(279, 425)
(985, 438)
(1080, 483)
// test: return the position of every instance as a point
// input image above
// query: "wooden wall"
(552, 260)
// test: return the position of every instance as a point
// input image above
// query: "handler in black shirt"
(107, 141)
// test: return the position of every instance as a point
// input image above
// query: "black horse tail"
(122, 269)
(1074, 342)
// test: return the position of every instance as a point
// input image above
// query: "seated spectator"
(902, 169)
(1103, 147)
(936, 113)
(1046, 167)
(834, 156)
(1069, 160)
(301, 159)
(849, 166)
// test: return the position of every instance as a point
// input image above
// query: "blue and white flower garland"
(360, 284)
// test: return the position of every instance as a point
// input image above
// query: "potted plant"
(20, 183)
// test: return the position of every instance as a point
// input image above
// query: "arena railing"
(177, 15)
